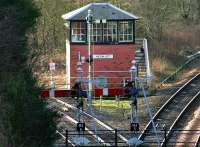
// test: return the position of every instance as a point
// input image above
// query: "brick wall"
(123, 54)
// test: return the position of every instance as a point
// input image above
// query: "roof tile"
(99, 11)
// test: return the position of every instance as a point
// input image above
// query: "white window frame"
(95, 28)
(110, 27)
(121, 33)
(78, 36)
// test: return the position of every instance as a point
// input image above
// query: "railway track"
(169, 113)
(99, 122)
(69, 123)
(197, 143)
(103, 131)
(180, 132)
(61, 141)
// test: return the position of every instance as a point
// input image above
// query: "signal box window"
(126, 31)
(110, 31)
(97, 32)
(78, 31)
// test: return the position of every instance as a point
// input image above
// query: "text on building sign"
(102, 56)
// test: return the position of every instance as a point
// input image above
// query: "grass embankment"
(117, 113)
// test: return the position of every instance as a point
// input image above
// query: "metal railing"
(114, 140)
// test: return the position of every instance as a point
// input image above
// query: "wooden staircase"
(140, 63)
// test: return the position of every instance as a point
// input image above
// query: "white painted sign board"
(103, 56)
(52, 66)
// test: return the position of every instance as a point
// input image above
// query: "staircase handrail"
(143, 43)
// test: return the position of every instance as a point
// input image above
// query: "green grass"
(122, 108)
(112, 106)
(119, 115)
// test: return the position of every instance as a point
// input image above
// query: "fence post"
(66, 139)
(165, 135)
(100, 102)
(115, 137)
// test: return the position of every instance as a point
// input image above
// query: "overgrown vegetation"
(24, 119)
(171, 27)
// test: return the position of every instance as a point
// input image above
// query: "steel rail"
(90, 132)
(97, 120)
(197, 142)
(169, 133)
(166, 103)
(63, 136)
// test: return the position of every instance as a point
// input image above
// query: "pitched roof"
(99, 11)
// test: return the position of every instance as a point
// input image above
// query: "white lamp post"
(89, 22)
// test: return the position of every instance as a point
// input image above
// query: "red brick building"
(113, 44)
